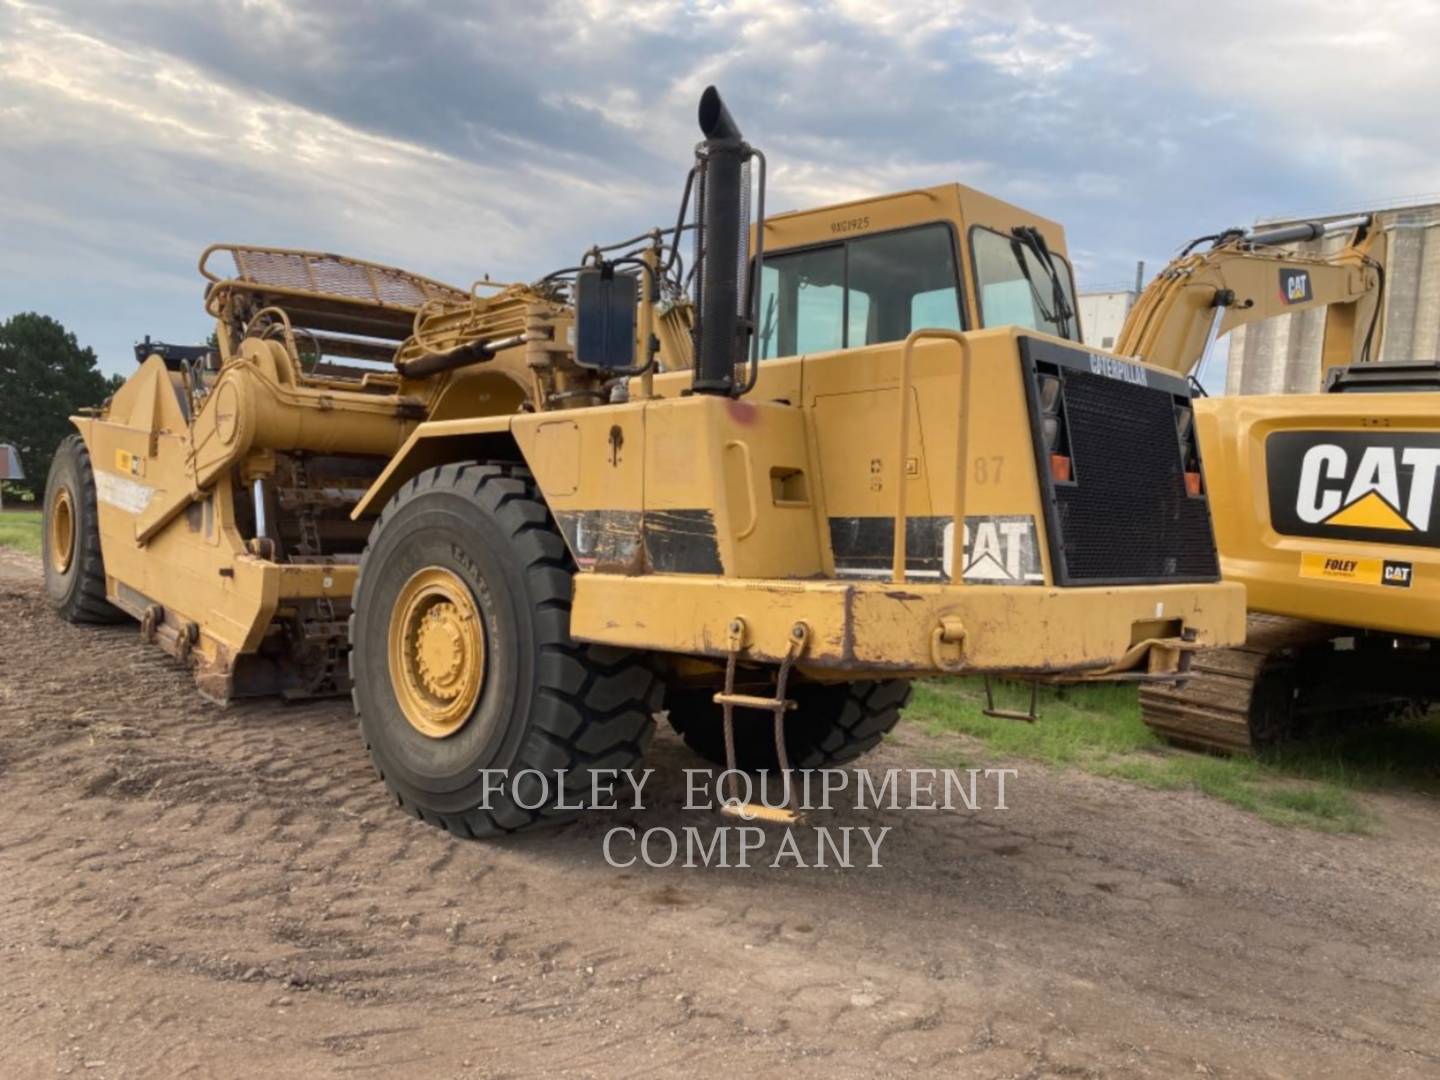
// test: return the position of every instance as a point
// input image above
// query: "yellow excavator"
(1244, 277)
(824, 455)
(1323, 502)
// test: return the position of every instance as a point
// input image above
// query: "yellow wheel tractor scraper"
(761, 477)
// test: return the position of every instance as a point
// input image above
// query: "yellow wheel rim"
(62, 530)
(437, 652)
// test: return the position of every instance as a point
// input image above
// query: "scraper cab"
(725, 468)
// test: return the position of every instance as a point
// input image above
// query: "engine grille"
(1127, 518)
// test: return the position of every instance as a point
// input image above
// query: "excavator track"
(1239, 700)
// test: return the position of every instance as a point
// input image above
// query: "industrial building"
(1104, 308)
(1283, 355)
(1102, 314)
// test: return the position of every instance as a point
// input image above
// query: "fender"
(438, 442)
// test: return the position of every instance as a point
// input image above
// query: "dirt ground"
(186, 891)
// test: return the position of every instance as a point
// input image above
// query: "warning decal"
(122, 492)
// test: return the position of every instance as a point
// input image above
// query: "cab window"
(862, 292)
(1015, 288)
(802, 302)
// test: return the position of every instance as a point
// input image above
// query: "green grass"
(1098, 729)
(20, 529)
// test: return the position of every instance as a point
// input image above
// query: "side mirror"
(605, 304)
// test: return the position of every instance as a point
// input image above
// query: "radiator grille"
(1127, 517)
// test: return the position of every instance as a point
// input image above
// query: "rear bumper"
(858, 628)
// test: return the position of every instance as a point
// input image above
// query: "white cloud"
(1350, 89)
(464, 136)
(281, 167)
(1034, 49)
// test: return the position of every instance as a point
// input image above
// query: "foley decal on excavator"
(837, 451)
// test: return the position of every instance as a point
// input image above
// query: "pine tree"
(45, 376)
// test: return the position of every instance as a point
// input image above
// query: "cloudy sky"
(463, 137)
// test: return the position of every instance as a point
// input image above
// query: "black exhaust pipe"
(719, 342)
(715, 119)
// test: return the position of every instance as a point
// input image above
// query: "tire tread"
(564, 732)
(88, 602)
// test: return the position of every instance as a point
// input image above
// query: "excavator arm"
(1246, 277)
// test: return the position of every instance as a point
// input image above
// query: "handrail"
(962, 452)
(749, 487)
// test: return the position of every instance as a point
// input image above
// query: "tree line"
(45, 377)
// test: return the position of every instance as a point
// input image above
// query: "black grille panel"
(1127, 517)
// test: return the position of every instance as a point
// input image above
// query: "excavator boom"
(1248, 277)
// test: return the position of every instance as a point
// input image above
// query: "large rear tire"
(462, 661)
(70, 544)
(831, 725)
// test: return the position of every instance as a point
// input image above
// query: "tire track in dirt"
(183, 886)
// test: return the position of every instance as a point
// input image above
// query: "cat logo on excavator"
(1295, 286)
(1334, 484)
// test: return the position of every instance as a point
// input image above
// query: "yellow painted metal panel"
(858, 627)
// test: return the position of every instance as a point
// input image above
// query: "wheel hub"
(440, 649)
(437, 652)
(62, 531)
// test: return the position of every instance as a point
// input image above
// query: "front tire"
(464, 570)
(70, 545)
(831, 725)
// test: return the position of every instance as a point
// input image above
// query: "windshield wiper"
(1027, 236)
(767, 327)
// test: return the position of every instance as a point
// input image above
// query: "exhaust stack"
(721, 245)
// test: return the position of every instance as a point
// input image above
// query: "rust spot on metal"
(742, 412)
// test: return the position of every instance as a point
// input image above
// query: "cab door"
(845, 307)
